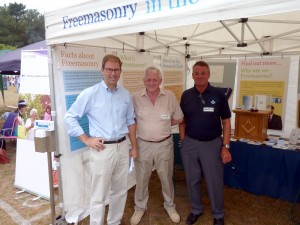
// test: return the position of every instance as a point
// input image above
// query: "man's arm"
(177, 113)
(174, 122)
(74, 113)
(225, 153)
(182, 130)
(132, 137)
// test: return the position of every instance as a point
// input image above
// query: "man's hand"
(225, 155)
(92, 142)
(134, 153)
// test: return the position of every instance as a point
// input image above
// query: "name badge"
(165, 117)
(208, 109)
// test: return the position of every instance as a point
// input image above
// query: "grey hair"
(33, 111)
(153, 69)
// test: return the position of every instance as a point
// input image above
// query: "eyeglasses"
(110, 70)
(201, 99)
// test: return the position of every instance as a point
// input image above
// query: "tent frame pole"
(61, 218)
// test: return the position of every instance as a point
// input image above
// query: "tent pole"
(2, 90)
(60, 219)
(52, 202)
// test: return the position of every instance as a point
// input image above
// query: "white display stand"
(32, 167)
(31, 170)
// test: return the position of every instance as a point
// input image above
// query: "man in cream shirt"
(156, 111)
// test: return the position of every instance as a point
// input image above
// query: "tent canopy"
(10, 63)
(191, 28)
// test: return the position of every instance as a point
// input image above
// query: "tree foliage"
(20, 26)
(6, 47)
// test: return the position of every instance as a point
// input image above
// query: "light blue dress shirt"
(109, 113)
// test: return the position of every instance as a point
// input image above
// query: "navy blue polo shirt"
(203, 118)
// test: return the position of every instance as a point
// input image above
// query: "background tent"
(10, 63)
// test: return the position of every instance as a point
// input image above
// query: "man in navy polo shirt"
(205, 136)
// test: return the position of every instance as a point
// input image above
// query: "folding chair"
(178, 166)
(8, 129)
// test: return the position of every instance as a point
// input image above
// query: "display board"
(32, 167)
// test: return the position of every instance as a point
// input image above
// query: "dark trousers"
(200, 157)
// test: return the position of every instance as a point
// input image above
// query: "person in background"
(29, 125)
(156, 111)
(110, 112)
(21, 110)
(274, 121)
(47, 113)
(17, 83)
(205, 135)
(8, 81)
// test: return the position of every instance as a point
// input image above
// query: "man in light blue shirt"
(110, 112)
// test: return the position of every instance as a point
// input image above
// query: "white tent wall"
(187, 28)
(291, 117)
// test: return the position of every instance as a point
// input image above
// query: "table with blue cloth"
(263, 170)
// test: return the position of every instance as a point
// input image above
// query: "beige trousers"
(109, 172)
(162, 156)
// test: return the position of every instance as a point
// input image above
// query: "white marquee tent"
(189, 28)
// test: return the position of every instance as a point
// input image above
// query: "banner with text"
(173, 69)
(264, 77)
(133, 70)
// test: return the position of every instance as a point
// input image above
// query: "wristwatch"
(226, 145)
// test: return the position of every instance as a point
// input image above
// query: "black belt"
(115, 142)
(157, 141)
(204, 140)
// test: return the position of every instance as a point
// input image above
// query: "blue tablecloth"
(264, 170)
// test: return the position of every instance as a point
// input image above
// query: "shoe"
(219, 221)
(136, 217)
(192, 218)
(174, 216)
